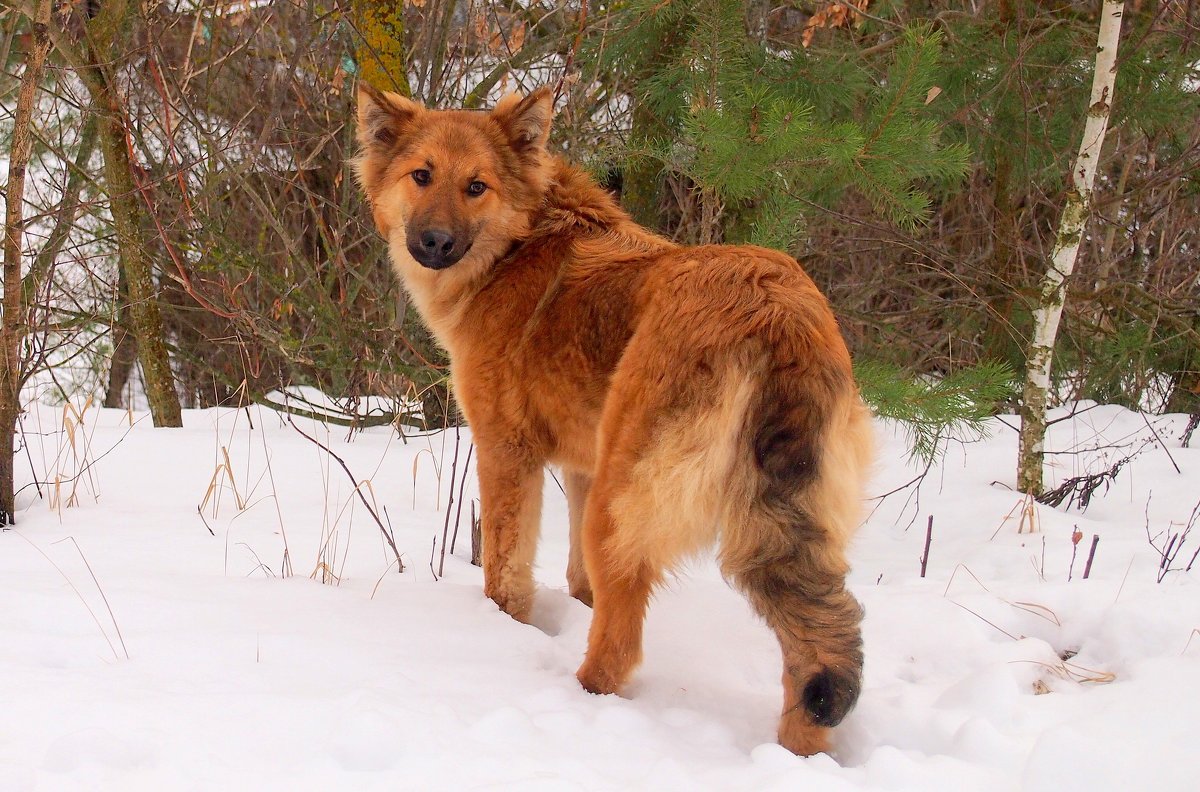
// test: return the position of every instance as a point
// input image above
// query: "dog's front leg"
(510, 487)
(576, 486)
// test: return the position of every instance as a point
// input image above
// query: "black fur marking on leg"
(828, 697)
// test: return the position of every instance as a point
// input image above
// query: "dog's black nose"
(434, 249)
(437, 242)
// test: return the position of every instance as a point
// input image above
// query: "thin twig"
(1160, 442)
(449, 503)
(29, 456)
(357, 490)
(928, 539)
(1076, 536)
(462, 485)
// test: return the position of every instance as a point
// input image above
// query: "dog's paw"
(517, 605)
(597, 679)
(802, 737)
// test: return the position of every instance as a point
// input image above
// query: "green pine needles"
(932, 409)
(773, 133)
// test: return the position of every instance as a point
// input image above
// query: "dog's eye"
(476, 188)
(422, 177)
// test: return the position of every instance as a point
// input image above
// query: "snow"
(347, 675)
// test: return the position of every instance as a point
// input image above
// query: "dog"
(690, 395)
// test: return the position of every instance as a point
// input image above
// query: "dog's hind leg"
(618, 539)
(620, 587)
(666, 450)
(576, 486)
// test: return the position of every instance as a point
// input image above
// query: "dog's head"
(452, 190)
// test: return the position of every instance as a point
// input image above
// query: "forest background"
(188, 234)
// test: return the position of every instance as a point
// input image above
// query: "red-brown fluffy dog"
(690, 394)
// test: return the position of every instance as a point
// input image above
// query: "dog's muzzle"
(436, 249)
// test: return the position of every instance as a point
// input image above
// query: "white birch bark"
(1052, 294)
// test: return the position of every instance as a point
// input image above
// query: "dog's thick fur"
(690, 394)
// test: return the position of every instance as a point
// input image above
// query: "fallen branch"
(352, 421)
(1080, 489)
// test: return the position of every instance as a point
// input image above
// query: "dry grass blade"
(1040, 611)
(103, 596)
(241, 503)
(380, 580)
(211, 491)
(1006, 518)
(966, 569)
(436, 472)
(1071, 672)
(78, 594)
(1029, 514)
(988, 622)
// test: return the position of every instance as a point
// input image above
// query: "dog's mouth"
(437, 250)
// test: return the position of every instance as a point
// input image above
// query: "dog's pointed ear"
(526, 120)
(383, 117)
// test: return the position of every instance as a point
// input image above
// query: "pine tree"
(934, 409)
(764, 136)
(769, 134)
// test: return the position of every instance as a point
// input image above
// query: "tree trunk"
(1062, 260)
(124, 354)
(12, 323)
(145, 318)
(381, 50)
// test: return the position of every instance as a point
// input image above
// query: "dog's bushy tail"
(810, 437)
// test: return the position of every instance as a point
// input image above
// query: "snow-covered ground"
(150, 637)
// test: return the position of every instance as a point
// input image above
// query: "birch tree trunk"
(1062, 260)
(12, 323)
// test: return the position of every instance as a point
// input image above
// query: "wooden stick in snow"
(928, 539)
(1087, 568)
